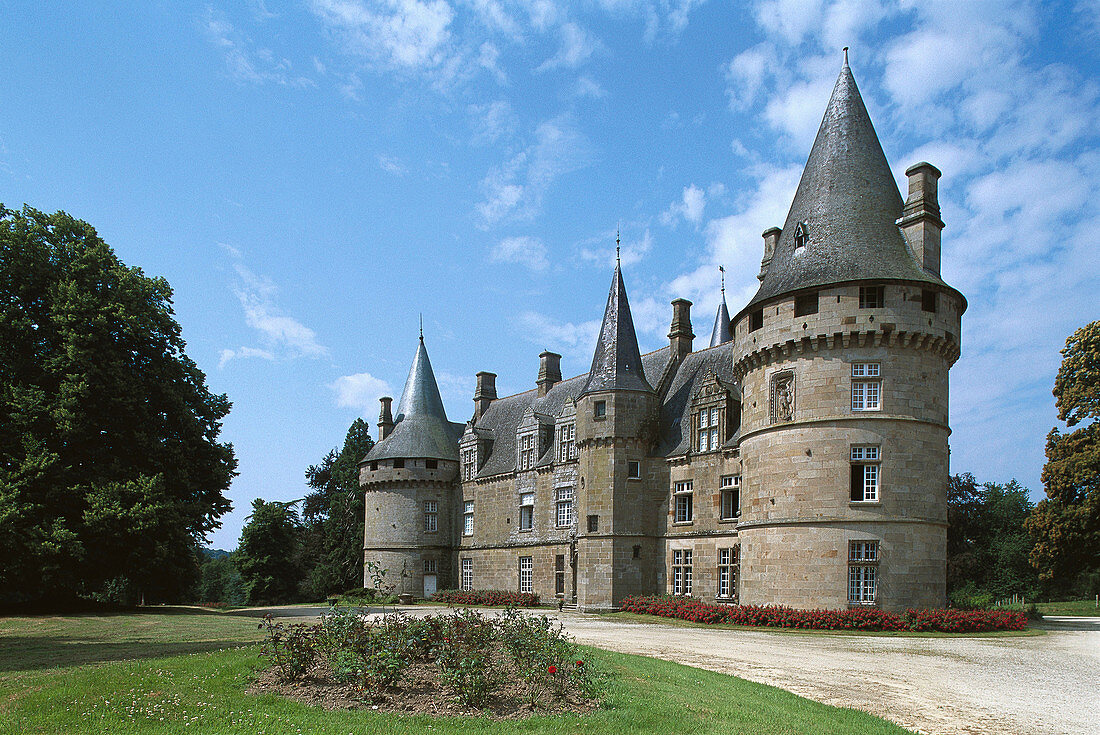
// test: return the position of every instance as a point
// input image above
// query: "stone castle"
(800, 459)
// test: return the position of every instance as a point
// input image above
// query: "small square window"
(633, 470)
(872, 297)
(928, 300)
(593, 524)
(756, 320)
(599, 409)
(805, 304)
(431, 464)
(399, 464)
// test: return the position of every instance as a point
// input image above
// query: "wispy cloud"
(392, 165)
(574, 341)
(526, 251)
(245, 62)
(360, 391)
(690, 207)
(403, 34)
(577, 46)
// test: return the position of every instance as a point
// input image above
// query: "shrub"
(290, 648)
(494, 598)
(862, 618)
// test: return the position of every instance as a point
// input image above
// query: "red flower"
(552, 669)
(580, 663)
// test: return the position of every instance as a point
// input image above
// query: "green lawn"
(1085, 608)
(57, 675)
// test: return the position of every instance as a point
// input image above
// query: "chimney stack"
(680, 336)
(385, 418)
(549, 371)
(485, 393)
(920, 219)
(771, 239)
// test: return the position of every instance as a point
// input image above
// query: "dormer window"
(567, 442)
(527, 451)
(710, 414)
(469, 463)
(801, 236)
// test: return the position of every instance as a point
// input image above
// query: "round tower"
(843, 357)
(409, 480)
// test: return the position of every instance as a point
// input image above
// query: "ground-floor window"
(862, 572)
(559, 574)
(681, 572)
(467, 581)
(728, 561)
(526, 567)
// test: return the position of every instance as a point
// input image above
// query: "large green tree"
(267, 555)
(111, 473)
(332, 550)
(1065, 526)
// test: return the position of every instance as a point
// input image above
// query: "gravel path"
(1033, 685)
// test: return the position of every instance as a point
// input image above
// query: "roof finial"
(617, 241)
(722, 270)
(421, 326)
(845, 56)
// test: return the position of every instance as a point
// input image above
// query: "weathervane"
(722, 270)
(421, 326)
(617, 245)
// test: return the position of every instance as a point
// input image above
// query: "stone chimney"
(485, 393)
(680, 336)
(771, 239)
(549, 371)
(920, 219)
(385, 418)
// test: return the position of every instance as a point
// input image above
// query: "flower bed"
(493, 598)
(863, 618)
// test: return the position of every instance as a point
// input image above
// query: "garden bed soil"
(419, 693)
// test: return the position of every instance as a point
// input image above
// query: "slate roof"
(849, 202)
(616, 363)
(421, 428)
(721, 332)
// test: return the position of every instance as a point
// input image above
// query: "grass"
(68, 690)
(680, 623)
(1084, 608)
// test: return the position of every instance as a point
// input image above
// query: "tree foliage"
(267, 556)
(332, 515)
(1065, 526)
(987, 546)
(111, 472)
(219, 579)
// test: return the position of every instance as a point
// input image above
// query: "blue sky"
(310, 176)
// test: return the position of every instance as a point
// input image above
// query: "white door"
(429, 585)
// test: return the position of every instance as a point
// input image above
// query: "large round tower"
(843, 357)
(409, 479)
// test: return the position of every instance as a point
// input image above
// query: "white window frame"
(527, 451)
(467, 577)
(866, 386)
(468, 518)
(564, 506)
(567, 442)
(469, 463)
(430, 566)
(633, 469)
(729, 559)
(683, 502)
(526, 574)
(869, 458)
(707, 421)
(863, 559)
(431, 516)
(526, 511)
(681, 572)
(730, 487)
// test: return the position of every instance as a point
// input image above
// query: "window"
(728, 561)
(429, 566)
(805, 304)
(633, 470)
(682, 498)
(468, 518)
(431, 516)
(567, 443)
(526, 511)
(866, 386)
(707, 422)
(469, 464)
(681, 572)
(599, 409)
(527, 451)
(431, 464)
(756, 320)
(928, 300)
(865, 474)
(872, 297)
(559, 574)
(801, 237)
(526, 565)
(730, 485)
(564, 506)
(467, 580)
(862, 572)
(399, 464)
(593, 524)
(373, 466)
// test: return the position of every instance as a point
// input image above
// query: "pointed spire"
(847, 204)
(421, 394)
(721, 332)
(617, 362)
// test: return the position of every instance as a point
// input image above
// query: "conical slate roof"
(421, 428)
(616, 364)
(721, 332)
(849, 204)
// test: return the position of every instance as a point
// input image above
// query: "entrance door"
(429, 585)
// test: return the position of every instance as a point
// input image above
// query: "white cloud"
(526, 251)
(588, 87)
(245, 62)
(360, 391)
(746, 73)
(243, 353)
(492, 121)
(574, 341)
(690, 207)
(391, 165)
(403, 34)
(577, 45)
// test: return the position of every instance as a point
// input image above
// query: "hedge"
(487, 597)
(860, 618)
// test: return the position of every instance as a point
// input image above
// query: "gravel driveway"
(1035, 685)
